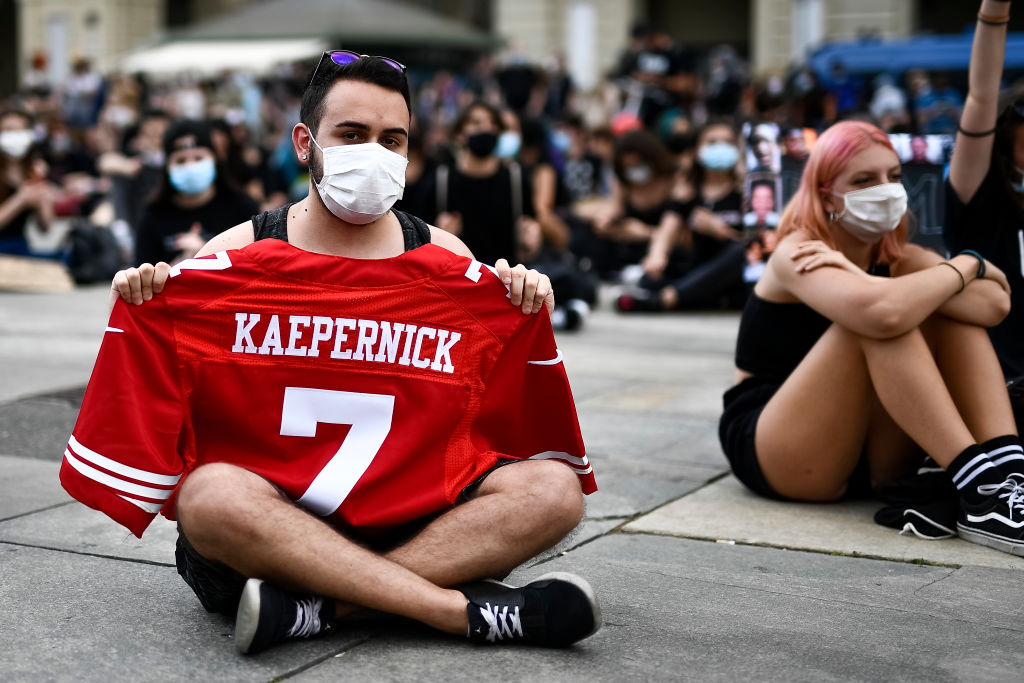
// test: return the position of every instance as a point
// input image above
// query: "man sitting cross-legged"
(346, 417)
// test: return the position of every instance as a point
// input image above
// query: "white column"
(581, 43)
(808, 27)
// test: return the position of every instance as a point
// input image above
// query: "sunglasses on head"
(343, 57)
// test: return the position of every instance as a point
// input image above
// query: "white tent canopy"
(259, 35)
(213, 56)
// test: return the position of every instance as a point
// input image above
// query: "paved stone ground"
(698, 580)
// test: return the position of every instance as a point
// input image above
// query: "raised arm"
(972, 153)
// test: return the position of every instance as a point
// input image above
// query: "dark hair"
(463, 118)
(367, 69)
(1007, 125)
(647, 147)
(184, 128)
(534, 132)
(21, 113)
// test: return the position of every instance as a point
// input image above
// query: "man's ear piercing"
(304, 157)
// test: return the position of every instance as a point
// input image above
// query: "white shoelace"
(502, 624)
(1013, 493)
(307, 618)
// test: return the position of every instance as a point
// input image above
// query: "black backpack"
(95, 255)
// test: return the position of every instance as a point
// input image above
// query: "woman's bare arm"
(556, 232)
(875, 307)
(983, 302)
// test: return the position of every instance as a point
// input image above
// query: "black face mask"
(482, 145)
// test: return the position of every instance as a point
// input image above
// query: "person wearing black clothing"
(193, 202)
(715, 273)
(859, 350)
(635, 228)
(480, 199)
(985, 188)
(663, 70)
(25, 191)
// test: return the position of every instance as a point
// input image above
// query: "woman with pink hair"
(856, 345)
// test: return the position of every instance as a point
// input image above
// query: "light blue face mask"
(508, 145)
(561, 140)
(193, 177)
(718, 156)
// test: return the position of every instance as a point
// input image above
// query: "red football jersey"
(370, 391)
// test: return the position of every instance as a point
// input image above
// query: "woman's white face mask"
(870, 213)
(15, 143)
(361, 182)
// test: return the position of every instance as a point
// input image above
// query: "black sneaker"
(556, 610)
(998, 522)
(267, 615)
(931, 521)
(639, 301)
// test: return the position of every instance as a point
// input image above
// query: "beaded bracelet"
(981, 261)
(963, 283)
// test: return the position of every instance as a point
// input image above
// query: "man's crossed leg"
(234, 517)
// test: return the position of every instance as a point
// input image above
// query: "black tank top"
(274, 225)
(775, 337)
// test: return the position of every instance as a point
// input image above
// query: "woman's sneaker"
(998, 521)
(556, 610)
(267, 615)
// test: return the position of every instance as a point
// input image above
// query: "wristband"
(993, 21)
(963, 283)
(983, 134)
(981, 261)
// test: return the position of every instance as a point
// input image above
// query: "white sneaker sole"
(990, 540)
(247, 618)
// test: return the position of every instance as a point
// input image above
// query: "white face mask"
(361, 182)
(15, 143)
(874, 211)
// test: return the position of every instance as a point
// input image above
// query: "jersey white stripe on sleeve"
(126, 471)
(583, 463)
(114, 482)
(151, 508)
(552, 361)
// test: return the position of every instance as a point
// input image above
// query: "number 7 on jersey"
(370, 416)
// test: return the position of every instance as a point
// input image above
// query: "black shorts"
(742, 406)
(219, 587)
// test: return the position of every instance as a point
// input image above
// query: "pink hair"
(829, 156)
